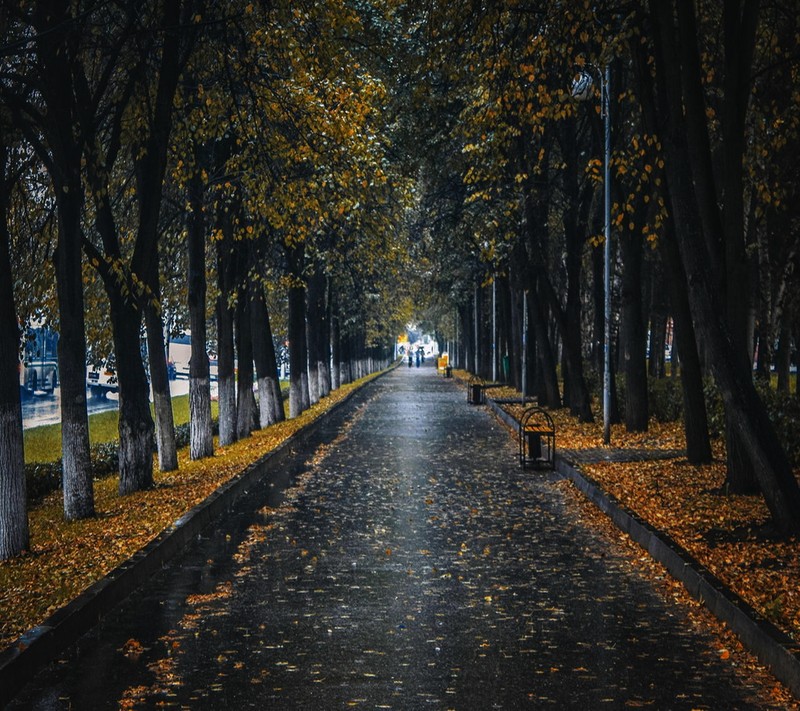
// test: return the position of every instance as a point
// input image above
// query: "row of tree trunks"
(685, 349)
(747, 420)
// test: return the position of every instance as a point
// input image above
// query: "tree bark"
(633, 337)
(335, 341)
(270, 401)
(245, 399)
(159, 384)
(695, 416)
(53, 23)
(201, 436)
(226, 375)
(14, 532)
(324, 359)
(150, 167)
(136, 427)
(547, 362)
(659, 314)
(298, 355)
(314, 308)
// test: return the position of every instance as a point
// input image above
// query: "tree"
(14, 536)
(47, 117)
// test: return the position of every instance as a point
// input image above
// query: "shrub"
(105, 459)
(41, 478)
(714, 408)
(182, 435)
(784, 411)
(665, 399)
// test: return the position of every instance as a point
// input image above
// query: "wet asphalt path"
(410, 565)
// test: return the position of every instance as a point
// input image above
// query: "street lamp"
(582, 90)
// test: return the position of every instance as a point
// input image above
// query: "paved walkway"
(412, 565)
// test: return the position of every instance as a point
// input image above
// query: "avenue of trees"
(180, 164)
(321, 170)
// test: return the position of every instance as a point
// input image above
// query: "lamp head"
(582, 86)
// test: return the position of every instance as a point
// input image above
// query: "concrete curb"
(24, 658)
(773, 647)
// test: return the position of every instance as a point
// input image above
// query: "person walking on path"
(412, 564)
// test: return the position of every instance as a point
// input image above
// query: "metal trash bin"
(537, 439)
(475, 390)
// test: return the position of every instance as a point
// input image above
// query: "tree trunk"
(270, 402)
(159, 383)
(226, 375)
(633, 337)
(150, 167)
(515, 351)
(782, 314)
(53, 23)
(549, 380)
(135, 423)
(739, 34)
(659, 315)
(784, 355)
(76, 462)
(324, 361)
(762, 277)
(201, 435)
(14, 533)
(346, 373)
(335, 341)
(695, 417)
(245, 399)
(298, 356)
(314, 297)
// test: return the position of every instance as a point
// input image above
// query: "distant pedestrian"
(410, 359)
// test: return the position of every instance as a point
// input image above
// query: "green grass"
(43, 444)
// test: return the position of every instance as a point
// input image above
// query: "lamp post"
(494, 329)
(581, 90)
(524, 374)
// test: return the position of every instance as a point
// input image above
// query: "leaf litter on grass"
(66, 558)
